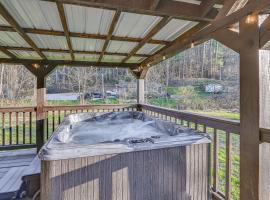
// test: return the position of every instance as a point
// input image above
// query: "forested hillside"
(180, 82)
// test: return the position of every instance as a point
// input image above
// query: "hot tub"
(124, 156)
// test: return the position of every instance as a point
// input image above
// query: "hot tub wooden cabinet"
(169, 172)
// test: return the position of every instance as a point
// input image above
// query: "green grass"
(220, 114)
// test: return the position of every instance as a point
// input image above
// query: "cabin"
(133, 34)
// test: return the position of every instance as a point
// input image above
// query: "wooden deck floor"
(13, 165)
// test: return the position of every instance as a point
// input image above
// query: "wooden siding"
(179, 173)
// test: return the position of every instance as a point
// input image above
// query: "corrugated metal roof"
(135, 25)
(49, 41)
(3, 22)
(34, 14)
(85, 44)
(12, 39)
(136, 59)
(150, 49)
(120, 47)
(174, 29)
(86, 57)
(57, 56)
(110, 58)
(88, 20)
(2, 55)
(25, 54)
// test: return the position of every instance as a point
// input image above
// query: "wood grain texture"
(154, 174)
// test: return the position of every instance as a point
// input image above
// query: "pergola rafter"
(202, 31)
(110, 33)
(68, 63)
(8, 53)
(154, 4)
(181, 10)
(148, 37)
(82, 35)
(206, 7)
(67, 51)
(19, 30)
(61, 11)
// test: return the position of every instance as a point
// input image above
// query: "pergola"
(137, 34)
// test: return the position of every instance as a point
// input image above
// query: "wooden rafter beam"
(154, 4)
(81, 35)
(61, 12)
(181, 43)
(206, 6)
(148, 37)
(229, 38)
(19, 30)
(201, 32)
(110, 33)
(265, 32)
(40, 69)
(68, 63)
(5, 51)
(225, 9)
(181, 10)
(75, 52)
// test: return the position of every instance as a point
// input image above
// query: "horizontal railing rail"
(226, 142)
(214, 122)
(18, 130)
(18, 124)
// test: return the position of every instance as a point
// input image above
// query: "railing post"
(249, 108)
(40, 118)
(140, 91)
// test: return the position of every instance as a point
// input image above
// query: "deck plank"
(13, 166)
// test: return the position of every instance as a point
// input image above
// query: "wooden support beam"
(61, 12)
(5, 14)
(109, 36)
(154, 4)
(67, 51)
(228, 38)
(264, 32)
(40, 114)
(181, 10)
(249, 110)
(148, 37)
(206, 6)
(69, 63)
(201, 32)
(225, 9)
(40, 71)
(82, 35)
(5, 51)
(181, 43)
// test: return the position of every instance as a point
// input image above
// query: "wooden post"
(140, 91)
(40, 71)
(249, 109)
(41, 90)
